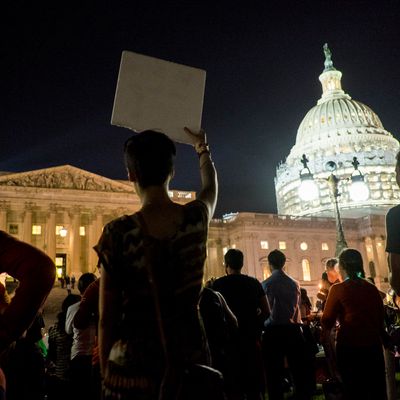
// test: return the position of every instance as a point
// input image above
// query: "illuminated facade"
(337, 129)
(62, 211)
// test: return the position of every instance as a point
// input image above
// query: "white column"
(27, 229)
(3, 215)
(51, 232)
(250, 261)
(74, 242)
(95, 230)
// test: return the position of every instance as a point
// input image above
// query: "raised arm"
(36, 273)
(209, 183)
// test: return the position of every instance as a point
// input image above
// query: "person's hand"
(196, 137)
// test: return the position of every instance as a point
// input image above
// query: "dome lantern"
(330, 79)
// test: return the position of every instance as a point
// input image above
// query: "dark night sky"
(59, 68)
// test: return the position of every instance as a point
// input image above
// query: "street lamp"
(358, 190)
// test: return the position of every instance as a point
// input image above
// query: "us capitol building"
(63, 209)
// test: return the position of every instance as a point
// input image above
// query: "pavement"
(53, 304)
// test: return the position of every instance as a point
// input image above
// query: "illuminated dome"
(338, 129)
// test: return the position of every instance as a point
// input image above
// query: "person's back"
(283, 298)
(242, 293)
(245, 297)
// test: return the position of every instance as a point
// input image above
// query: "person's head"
(149, 158)
(69, 301)
(85, 280)
(233, 260)
(331, 271)
(351, 264)
(398, 168)
(276, 259)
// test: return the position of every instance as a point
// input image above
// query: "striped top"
(177, 264)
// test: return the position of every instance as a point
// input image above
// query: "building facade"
(62, 211)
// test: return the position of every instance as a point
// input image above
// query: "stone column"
(95, 230)
(74, 242)
(51, 232)
(250, 259)
(381, 267)
(27, 229)
(3, 215)
(212, 260)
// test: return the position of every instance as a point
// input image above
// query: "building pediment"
(64, 177)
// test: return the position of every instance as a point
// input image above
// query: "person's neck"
(154, 196)
(230, 271)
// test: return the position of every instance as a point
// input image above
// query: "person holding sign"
(152, 268)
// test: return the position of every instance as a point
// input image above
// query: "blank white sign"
(159, 95)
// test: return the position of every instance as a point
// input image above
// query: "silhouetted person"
(245, 297)
(283, 335)
(358, 306)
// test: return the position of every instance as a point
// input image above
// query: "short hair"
(351, 261)
(277, 259)
(150, 155)
(330, 263)
(85, 280)
(234, 259)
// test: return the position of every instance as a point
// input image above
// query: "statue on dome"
(328, 58)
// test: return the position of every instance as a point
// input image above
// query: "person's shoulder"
(393, 212)
(220, 282)
(196, 210)
(123, 223)
(73, 308)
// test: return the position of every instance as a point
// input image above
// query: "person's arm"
(393, 247)
(394, 268)
(108, 308)
(36, 274)
(88, 307)
(69, 320)
(331, 310)
(209, 183)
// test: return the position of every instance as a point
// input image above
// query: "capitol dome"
(338, 129)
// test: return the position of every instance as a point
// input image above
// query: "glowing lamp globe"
(359, 190)
(308, 190)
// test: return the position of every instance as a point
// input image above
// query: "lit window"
(36, 229)
(303, 246)
(324, 246)
(282, 245)
(369, 249)
(306, 270)
(82, 231)
(233, 246)
(264, 244)
(59, 261)
(13, 229)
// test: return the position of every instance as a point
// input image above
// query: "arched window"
(306, 269)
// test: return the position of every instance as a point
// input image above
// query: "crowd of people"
(149, 328)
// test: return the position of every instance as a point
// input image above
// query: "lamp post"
(308, 191)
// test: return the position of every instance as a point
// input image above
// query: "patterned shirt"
(126, 252)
